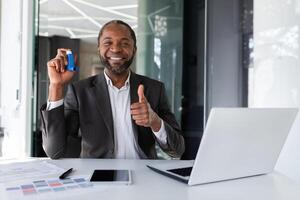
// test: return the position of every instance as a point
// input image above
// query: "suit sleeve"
(175, 142)
(58, 124)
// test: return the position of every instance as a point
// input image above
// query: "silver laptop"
(236, 143)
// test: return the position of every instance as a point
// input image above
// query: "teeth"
(115, 58)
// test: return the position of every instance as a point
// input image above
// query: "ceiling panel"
(83, 18)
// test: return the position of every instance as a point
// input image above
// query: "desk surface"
(150, 185)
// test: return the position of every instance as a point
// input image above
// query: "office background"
(235, 53)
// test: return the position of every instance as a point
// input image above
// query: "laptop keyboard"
(182, 171)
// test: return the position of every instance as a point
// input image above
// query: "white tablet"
(111, 176)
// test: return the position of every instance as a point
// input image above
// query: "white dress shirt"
(126, 146)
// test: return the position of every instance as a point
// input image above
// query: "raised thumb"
(141, 93)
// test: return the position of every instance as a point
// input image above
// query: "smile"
(115, 58)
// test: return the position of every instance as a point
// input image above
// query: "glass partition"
(201, 50)
(75, 24)
(160, 25)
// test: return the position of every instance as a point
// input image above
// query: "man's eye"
(125, 44)
(106, 43)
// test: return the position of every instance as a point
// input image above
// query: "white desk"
(150, 185)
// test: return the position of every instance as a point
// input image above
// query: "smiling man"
(119, 114)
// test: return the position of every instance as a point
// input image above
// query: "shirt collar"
(109, 81)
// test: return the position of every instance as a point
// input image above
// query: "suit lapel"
(103, 102)
(134, 83)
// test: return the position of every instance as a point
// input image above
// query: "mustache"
(116, 70)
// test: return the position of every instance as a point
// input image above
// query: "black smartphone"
(111, 176)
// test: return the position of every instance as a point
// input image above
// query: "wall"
(16, 75)
(275, 77)
(224, 55)
(89, 59)
(214, 73)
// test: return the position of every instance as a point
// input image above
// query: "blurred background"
(208, 53)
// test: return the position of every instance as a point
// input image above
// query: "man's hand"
(58, 75)
(142, 113)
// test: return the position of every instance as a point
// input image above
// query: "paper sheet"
(27, 170)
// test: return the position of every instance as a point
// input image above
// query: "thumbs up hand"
(142, 113)
(141, 95)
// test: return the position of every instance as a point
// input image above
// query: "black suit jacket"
(87, 110)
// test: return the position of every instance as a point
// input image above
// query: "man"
(119, 114)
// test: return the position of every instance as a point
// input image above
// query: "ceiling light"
(86, 36)
(122, 7)
(70, 32)
(134, 26)
(106, 9)
(83, 13)
(64, 27)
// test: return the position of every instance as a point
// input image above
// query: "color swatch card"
(47, 188)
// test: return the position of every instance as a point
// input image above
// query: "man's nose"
(115, 47)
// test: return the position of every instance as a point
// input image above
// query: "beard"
(119, 69)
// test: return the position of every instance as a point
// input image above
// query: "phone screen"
(121, 176)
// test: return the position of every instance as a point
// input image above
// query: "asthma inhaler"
(71, 63)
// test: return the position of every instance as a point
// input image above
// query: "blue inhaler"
(71, 62)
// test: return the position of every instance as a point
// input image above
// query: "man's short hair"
(132, 34)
